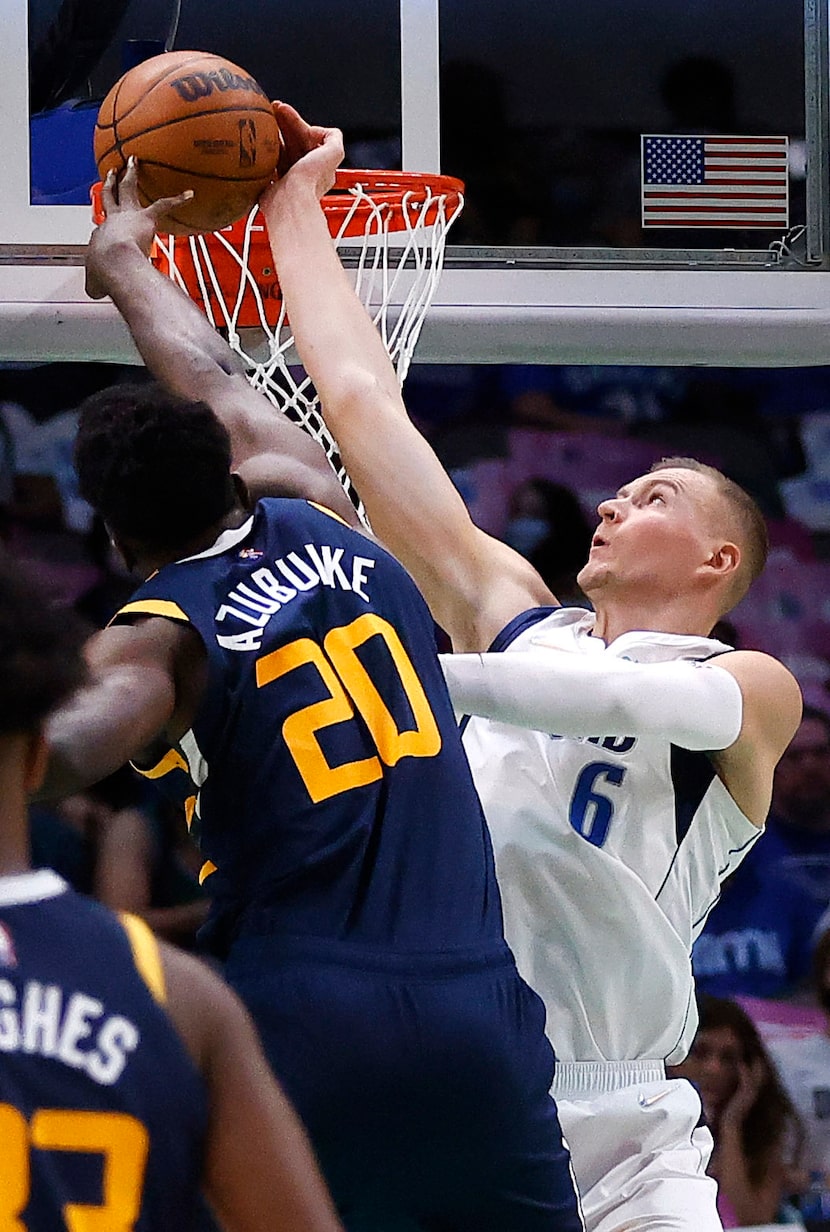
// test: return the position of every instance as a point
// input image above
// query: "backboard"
(539, 107)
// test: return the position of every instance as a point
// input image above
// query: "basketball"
(193, 120)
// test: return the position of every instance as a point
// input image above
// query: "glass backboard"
(540, 106)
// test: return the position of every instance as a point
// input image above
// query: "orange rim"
(396, 196)
(391, 189)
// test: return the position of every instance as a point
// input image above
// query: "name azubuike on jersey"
(73, 1028)
(252, 603)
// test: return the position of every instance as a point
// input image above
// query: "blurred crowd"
(532, 450)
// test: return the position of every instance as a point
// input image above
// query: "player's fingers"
(297, 136)
(128, 185)
(332, 138)
(165, 205)
(109, 199)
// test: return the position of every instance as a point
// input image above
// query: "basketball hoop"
(390, 227)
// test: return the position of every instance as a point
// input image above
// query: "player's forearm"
(393, 467)
(338, 343)
(104, 726)
(173, 337)
(691, 705)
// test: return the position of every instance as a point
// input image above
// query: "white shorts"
(638, 1150)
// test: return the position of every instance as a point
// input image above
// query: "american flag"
(715, 182)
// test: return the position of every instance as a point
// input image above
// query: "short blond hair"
(748, 520)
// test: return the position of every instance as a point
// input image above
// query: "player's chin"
(591, 576)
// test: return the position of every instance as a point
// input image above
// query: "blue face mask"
(524, 534)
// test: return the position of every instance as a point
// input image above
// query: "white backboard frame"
(494, 309)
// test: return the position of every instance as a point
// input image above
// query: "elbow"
(359, 393)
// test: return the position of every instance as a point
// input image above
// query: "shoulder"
(139, 636)
(771, 696)
(201, 1006)
(277, 474)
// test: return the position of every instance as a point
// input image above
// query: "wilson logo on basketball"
(200, 85)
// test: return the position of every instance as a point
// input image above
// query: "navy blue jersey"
(100, 1104)
(324, 777)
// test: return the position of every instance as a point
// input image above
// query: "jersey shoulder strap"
(330, 513)
(146, 955)
(151, 607)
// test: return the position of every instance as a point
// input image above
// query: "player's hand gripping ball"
(193, 121)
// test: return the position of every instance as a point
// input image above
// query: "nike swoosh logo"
(646, 1101)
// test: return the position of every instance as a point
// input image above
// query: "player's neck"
(615, 618)
(147, 563)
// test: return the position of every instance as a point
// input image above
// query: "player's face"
(713, 1065)
(653, 535)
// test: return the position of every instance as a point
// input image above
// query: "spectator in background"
(145, 866)
(547, 525)
(64, 837)
(111, 843)
(753, 1122)
(799, 821)
(758, 939)
(804, 1065)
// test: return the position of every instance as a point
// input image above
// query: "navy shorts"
(423, 1086)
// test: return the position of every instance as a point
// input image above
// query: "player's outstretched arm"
(473, 583)
(743, 708)
(126, 705)
(260, 1171)
(186, 355)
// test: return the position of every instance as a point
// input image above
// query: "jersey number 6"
(591, 812)
(350, 689)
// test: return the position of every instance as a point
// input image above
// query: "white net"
(393, 242)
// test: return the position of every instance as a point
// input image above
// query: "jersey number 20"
(350, 689)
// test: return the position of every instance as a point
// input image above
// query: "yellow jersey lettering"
(350, 688)
(121, 1139)
(321, 780)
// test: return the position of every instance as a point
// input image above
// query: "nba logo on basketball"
(247, 143)
(8, 957)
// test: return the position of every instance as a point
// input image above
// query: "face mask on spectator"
(526, 533)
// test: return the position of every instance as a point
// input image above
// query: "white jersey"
(610, 852)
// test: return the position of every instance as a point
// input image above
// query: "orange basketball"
(193, 120)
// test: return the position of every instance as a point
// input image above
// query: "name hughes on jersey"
(268, 589)
(45, 1021)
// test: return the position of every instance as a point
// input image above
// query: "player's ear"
(126, 553)
(241, 490)
(725, 559)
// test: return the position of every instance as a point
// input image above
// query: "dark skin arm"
(260, 1171)
(144, 684)
(185, 354)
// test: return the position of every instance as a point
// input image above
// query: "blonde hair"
(748, 521)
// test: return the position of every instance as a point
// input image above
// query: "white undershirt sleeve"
(694, 705)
